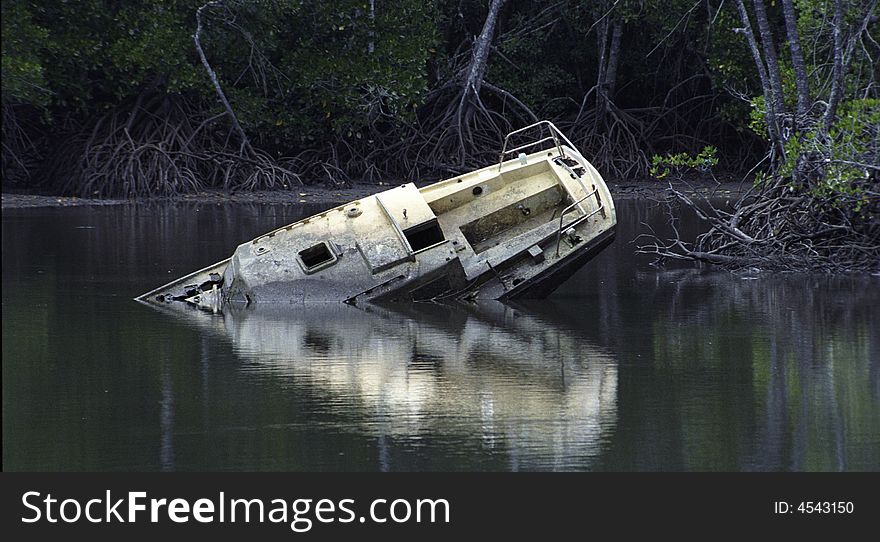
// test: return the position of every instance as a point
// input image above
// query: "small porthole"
(316, 257)
(477, 190)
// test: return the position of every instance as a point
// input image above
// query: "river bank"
(650, 189)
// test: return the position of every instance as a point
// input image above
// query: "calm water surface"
(627, 367)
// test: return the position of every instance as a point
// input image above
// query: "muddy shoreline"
(331, 196)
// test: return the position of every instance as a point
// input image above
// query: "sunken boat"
(515, 229)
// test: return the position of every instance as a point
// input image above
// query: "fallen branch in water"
(778, 227)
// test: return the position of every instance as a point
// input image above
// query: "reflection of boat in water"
(512, 230)
(511, 379)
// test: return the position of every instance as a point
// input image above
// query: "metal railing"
(578, 220)
(555, 135)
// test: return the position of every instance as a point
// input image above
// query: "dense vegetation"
(155, 98)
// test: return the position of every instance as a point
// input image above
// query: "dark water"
(626, 368)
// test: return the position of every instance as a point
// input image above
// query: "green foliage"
(347, 68)
(729, 59)
(296, 68)
(662, 166)
(530, 70)
(155, 43)
(852, 143)
(94, 54)
(757, 120)
(308, 76)
(23, 77)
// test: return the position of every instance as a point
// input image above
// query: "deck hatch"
(316, 257)
(424, 235)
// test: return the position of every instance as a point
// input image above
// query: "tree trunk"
(371, 46)
(602, 43)
(770, 59)
(769, 104)
(479, 61)
(609, 53)
(797, 58)
(613, 55)
(245, 142)
(837, 67)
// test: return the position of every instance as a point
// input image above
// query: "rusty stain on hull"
(515, 229)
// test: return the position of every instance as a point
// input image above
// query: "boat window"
(424, 235)
(316, 257)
